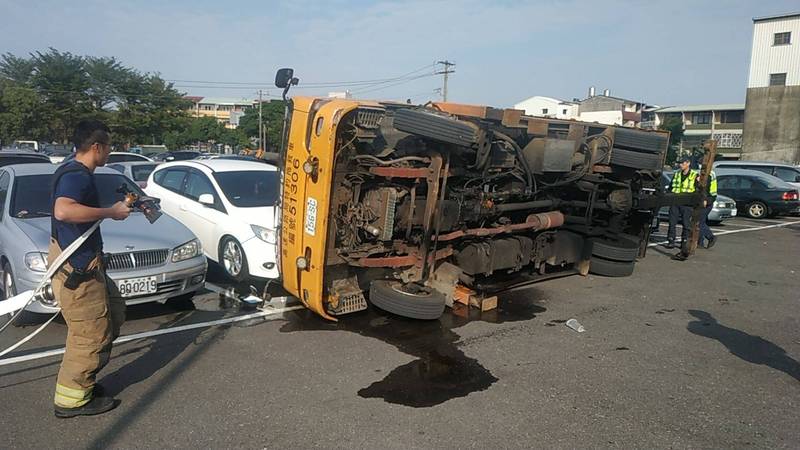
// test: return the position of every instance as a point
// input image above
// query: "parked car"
(183, 155)
(58, 152)
(757, 194)
(9, 157)
(785, 172)
(164, 259)
(137, 171)
(229, 205)
(116, 157)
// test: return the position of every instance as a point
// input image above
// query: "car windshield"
(249, 188)
(142, 171)
(31, 197)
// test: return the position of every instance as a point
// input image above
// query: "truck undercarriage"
(425, 199)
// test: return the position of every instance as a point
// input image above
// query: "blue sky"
(667, 52)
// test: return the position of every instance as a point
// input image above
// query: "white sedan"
(229, 205)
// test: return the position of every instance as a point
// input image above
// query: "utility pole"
(447, 64)
(260, 128)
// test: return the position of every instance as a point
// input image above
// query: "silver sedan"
(146, 262)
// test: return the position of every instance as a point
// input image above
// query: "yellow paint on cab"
(305, 211)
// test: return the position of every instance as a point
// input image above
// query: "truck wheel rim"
(756, 210)
(232, 258)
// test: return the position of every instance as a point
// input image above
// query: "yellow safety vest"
(684, 184)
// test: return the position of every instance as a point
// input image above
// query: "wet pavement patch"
(441, 371)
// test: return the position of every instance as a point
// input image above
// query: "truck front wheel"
(408, 300)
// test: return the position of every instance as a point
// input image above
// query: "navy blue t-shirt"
(77, 184)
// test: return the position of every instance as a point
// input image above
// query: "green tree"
(675, 127)
(22, 113)
(272, 118)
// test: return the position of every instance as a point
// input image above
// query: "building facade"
(548, 107)
(226, 110)
(772, 121)
(723, 123)
(604, 109)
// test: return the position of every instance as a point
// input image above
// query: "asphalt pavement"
(695, 354)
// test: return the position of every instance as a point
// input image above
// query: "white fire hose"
(19, 302)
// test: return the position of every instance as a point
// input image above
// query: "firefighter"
(708, 203)
(683, 182)
(80, 284)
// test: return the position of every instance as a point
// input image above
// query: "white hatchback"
(229, 205)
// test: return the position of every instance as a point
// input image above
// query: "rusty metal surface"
(400, 172)
(541, 221)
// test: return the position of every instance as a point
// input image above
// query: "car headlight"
(265, 234)
(719, 205)
(186, 251)
(36, 261)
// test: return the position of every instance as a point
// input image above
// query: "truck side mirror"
(285, 78)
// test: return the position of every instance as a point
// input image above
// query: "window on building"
(564, 111)
(732, 117)
(225, 107)
(701, 118)
(207, 107)
(728, 140)
(544, 110)
(784, 38)
(777, 79)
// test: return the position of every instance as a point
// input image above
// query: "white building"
(603, 109)
(772, 119)
(722, 123)
(548, 107)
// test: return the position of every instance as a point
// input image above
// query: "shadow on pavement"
(753, 349)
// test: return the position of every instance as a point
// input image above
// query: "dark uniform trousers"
(93, 322)
(684, 214)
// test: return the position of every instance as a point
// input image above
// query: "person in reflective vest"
(706, 235)
(684, 181)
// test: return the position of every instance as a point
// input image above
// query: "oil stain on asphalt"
(441, 371)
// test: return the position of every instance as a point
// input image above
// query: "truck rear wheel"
(608, 268)
(621, 249)
(407, 300)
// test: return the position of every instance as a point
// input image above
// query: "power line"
(303, 85)
(408, 80)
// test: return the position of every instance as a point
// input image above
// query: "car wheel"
(10, 290)
(714, 222)
(408, 300)
(621, 249)
(608, 268)
(232, 259)
(756, 210)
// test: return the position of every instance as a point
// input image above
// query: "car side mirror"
(206, 199)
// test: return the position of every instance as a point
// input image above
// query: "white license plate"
(134, 287)
(311, 216)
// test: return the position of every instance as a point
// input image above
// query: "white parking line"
(766, 227)
(147, 334)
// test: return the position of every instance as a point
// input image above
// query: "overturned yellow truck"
(400, 205)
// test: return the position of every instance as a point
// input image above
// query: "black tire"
(435, 126)
(229, 265)
(608, 268)
(714, 223)
(622, 249)
(424, 305)
(639, 140)
(635, 160)
(756, 210)
(25, 317)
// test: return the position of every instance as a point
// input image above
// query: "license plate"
(311, 216)
(133, 287)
